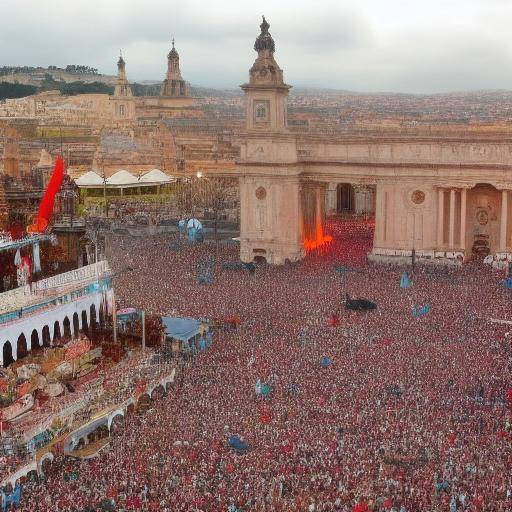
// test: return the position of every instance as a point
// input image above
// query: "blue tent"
(405, 282)
(326, 361)
(237, 444)
(508, 283)
(182, 329)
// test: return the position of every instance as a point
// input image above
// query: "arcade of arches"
(58, 333)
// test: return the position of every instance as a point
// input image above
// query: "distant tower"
(174, 85)
(122, 101)
(266, 93)
(122, 86)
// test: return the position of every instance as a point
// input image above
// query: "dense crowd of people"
(362, 411)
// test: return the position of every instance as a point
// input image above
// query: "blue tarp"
(417, 311)
(237, 444)
(508, 283)
(7, 500)
(182, 329)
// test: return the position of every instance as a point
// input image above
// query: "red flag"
(48, 200)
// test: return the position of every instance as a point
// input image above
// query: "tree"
(213, 196)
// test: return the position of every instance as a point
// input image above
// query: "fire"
(320, 239)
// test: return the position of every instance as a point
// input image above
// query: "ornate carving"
(264, 41)
(261, 193)
(418, 197)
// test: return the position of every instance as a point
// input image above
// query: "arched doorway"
(85, 326)
(46, 337)
(483, 221)
(93, 318)
(57, 335)
(7, 354)
(76, 325)
(34, 340)
(67, 328)
(21, 347)
(345, 198)
(117, 424)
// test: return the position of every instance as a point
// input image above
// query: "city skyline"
(401, 47)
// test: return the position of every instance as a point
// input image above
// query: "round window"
(418, 197)
(261, 193)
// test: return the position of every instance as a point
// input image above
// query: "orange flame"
(319, 241)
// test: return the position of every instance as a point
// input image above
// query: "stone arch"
(143, 403)
(44, 462)
(115, 419)
(158, 392)
(57, 334)
(76, 325)
(34, 340)
(8, 357)
(47, 339)
(21, 347)
(101, 316)
(93, 317)
(66, 325)
(85, 323)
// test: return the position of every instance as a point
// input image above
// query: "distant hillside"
(34, 76)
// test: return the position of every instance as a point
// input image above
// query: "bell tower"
(266, 94)
(123, 104)
(174, 85)
(270, 187)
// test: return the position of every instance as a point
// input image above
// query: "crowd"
(363, 411)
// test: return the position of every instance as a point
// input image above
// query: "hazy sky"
(361, 45)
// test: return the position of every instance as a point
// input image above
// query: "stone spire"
(173, 64)
(265, 69)
(174, 85)
(122, 88)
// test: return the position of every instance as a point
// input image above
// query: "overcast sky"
(361, 45)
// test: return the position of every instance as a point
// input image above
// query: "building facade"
(441, 199)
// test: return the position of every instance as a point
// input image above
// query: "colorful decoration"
(47, 203)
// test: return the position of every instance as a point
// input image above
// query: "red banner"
(48, 201)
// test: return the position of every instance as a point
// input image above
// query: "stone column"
(504, 220)
(440, 217)
(379, 213)
(451, 233)
(463, 203)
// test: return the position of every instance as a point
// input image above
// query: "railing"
(57, 300)
(73, 276)
(52, 291)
